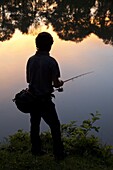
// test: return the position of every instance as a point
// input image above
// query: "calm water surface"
(85, 95)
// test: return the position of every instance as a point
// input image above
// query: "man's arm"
(56, 75)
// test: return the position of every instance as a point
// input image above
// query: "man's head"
(44, 40)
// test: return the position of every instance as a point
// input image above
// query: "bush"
(78, 140)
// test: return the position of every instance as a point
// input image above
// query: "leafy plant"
(72, 130)
(78, 141)
(20, 141)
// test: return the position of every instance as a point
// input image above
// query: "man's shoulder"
(52, 61)
(32, 57)
(48, 58)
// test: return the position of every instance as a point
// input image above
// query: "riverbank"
(25, 161)
(84, 151)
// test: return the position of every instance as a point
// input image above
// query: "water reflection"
(88, 23)
(72, 20)
(80, 97)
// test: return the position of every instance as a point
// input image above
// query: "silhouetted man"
(42, 75)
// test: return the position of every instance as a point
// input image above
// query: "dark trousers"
(46, 110)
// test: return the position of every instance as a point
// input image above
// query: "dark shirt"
(41, 70)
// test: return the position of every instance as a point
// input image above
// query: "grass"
(25, 161)
(85, 152)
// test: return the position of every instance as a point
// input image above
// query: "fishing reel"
(60, 89)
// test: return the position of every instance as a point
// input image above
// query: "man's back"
(41, 71)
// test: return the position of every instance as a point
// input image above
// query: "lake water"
(82, 96)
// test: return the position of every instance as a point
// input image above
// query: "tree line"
(71, 20)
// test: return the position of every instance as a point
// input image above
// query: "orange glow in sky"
(71, 57)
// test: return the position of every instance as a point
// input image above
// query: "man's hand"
(61, 82)
(58, 83)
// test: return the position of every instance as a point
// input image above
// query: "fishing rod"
(60, 89)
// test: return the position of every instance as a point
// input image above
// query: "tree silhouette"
(6, 29)
(72, 20)
(15, 14)
(103, 21)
